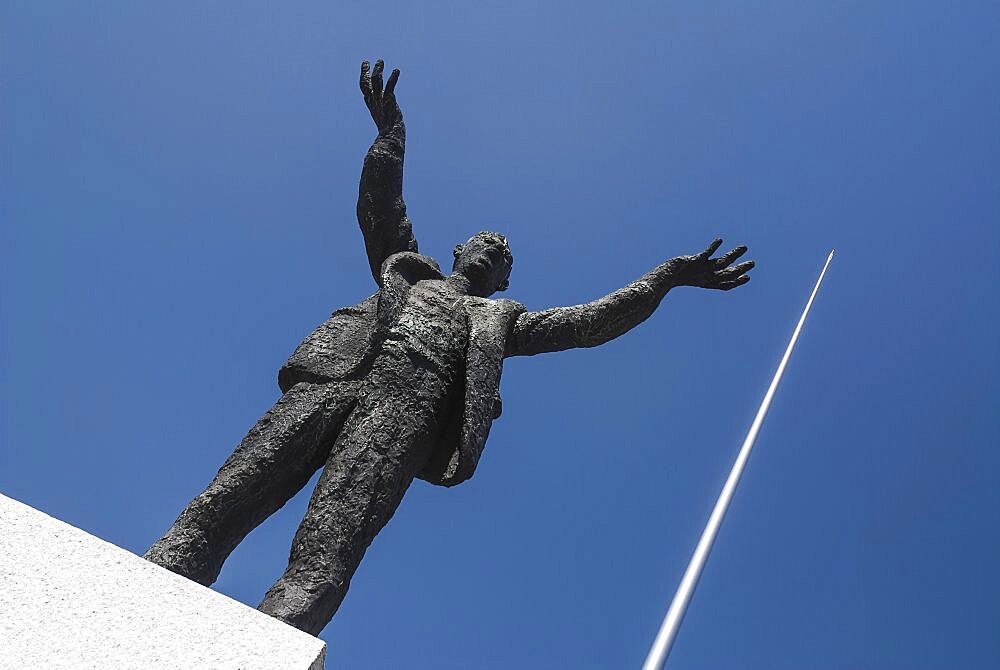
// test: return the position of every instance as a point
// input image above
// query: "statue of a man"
(404, 384)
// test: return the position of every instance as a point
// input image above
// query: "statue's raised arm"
(381, 210)
(615, 314)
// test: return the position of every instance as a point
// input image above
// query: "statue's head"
(485, 260)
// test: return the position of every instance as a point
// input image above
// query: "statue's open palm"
(706, 272)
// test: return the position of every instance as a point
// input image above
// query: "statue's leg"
(384, 443)
(272, 463)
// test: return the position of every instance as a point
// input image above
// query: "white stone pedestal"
(71, 600)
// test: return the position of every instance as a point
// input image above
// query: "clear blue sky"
(177, 191)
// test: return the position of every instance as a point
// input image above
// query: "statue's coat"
(343, 346)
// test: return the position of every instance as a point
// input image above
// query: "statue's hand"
(707, 272)
(381, 102)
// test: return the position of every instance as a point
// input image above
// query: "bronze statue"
(404, 384)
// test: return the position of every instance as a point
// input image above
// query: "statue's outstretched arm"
(615, 314)
(381, 210)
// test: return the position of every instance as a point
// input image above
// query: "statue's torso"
(431, 330)
(439, 349)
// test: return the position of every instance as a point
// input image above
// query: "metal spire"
(672, 621)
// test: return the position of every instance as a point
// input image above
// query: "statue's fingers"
(377, 80)
(729, 285)
(727, 260)
(737, 270)
(712, 248)
(390, 86)
(366, 80)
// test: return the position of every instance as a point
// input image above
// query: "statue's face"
(485, 260)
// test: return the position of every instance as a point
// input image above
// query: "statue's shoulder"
(408, 267)
(400, 272)
(502, 312)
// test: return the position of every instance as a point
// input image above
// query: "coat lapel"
(456, 456)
